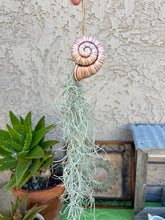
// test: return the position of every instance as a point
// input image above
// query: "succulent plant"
(24, 150)
(19, 211)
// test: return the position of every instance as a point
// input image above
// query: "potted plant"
(29, 156)
(19, 211)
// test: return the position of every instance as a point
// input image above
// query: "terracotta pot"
(48, 197)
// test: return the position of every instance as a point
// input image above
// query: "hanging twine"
(83, 14)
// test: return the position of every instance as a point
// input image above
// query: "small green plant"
(19, 211)
(24, 150)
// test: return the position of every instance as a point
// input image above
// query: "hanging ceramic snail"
(88, 55)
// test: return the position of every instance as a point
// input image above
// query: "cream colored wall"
(36, 38)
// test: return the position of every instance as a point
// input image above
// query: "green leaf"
(48, 144)
(5, 213)
(14, 135)
(8, 165)
(11, 183)
(13, 208)
(15, 145)
(35, 167)
(17, 125)
(4, 145)
(36, 152)
(47, 163)
(21, 168)
(27, 125)
(7, 159)
(17, 203)
(40, 134)
(25, 178)
(6, 218)
(21, 120)
(4, 134)
(47, 154)
(27, 142)
(23, 205)
(3, 184)
(20, 155)
(3, 153)
(32, 212)
(40, 124)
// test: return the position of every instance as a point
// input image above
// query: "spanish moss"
(79, 138)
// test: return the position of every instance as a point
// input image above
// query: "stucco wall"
(36, 37)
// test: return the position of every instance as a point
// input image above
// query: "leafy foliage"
(18, 211)
(24, 150)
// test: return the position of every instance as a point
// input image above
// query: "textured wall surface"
(35, 41)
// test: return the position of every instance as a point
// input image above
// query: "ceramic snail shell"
(88, 54)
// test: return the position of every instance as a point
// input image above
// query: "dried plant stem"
(79, 137)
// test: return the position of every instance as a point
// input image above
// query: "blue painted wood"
(163, 196)
(153, 193)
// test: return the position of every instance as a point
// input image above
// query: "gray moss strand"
(79, 137)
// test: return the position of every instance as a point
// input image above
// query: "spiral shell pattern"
(88, 54)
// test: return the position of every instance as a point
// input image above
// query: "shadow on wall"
(5, 197)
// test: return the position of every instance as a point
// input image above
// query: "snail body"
(88, 55)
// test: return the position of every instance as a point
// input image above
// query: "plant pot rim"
(41, 194)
